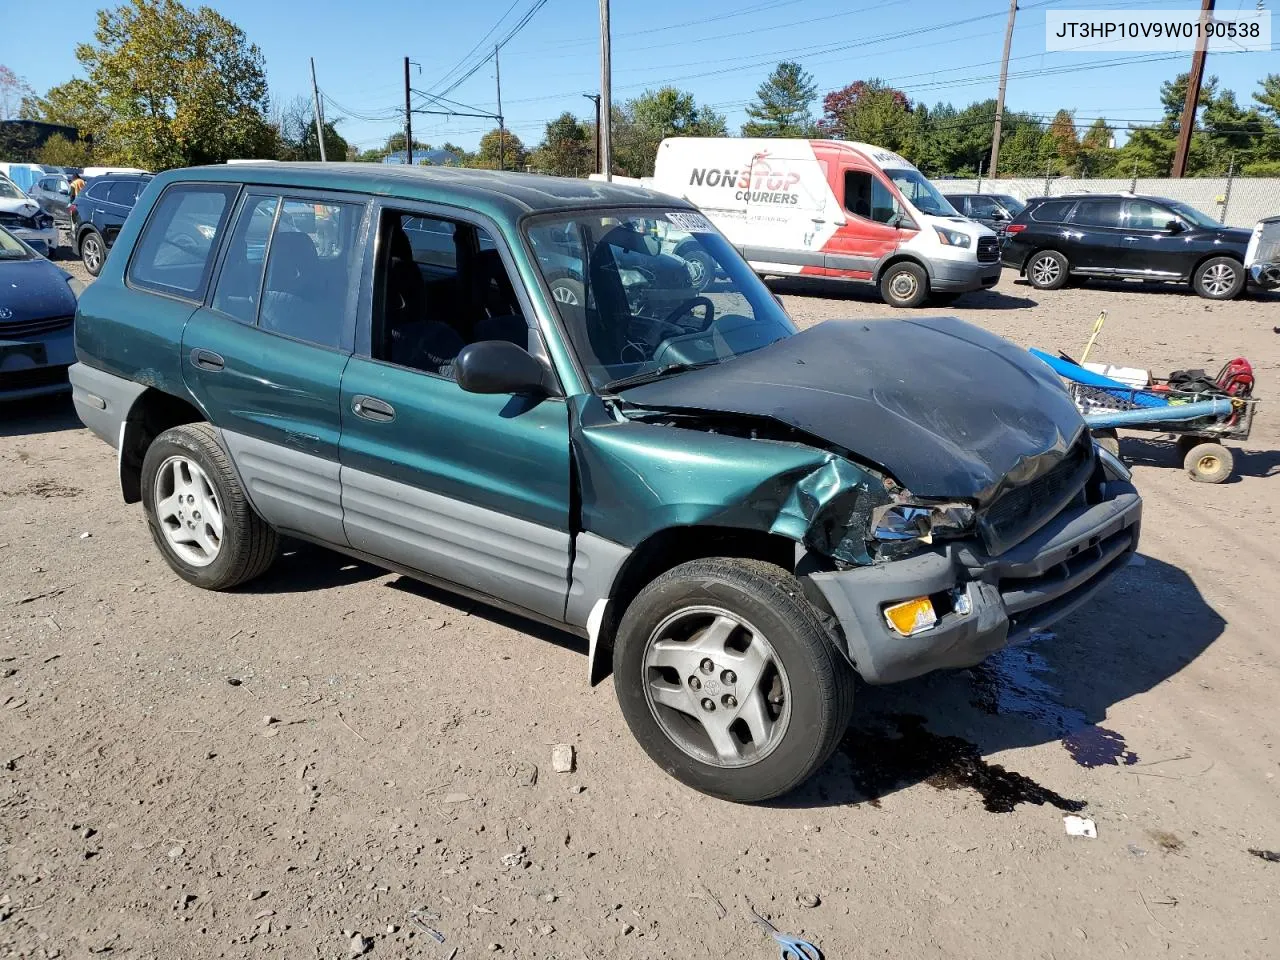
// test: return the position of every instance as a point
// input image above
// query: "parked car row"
(37, 310)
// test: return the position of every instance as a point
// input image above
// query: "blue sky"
(719, 49)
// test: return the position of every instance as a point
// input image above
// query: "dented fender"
(637, 478)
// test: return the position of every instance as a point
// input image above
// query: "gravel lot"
(148, 807)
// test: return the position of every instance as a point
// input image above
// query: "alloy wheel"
(188, 511)
(1218, 279)
(1045, 270)
(716, 687)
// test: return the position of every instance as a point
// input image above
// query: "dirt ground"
(403, 785)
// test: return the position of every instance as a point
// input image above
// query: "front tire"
(1048, 270)
(728, 680)
(1219, 278)
(93, 252)
(904, 285)
(199, 516)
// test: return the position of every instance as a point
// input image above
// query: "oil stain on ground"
(883, 762)
(1012, 682)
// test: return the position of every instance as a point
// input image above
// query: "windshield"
(11, 248)
(1193, 216)
(644, 294)
(922, 194)
(9, 190)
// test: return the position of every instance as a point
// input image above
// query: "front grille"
(988, 249)
(27, 328)
(1022, 510)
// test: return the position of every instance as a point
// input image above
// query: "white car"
(22, 217)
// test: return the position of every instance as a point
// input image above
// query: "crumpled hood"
(947, 408)
(21, 206)
(34, 290)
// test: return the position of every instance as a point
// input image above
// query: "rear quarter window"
(175, 252)
(1054, 211)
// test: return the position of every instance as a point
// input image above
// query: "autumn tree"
(13, 91)
(872, 112)
(58, 151)
(781, 107)
(1063, 142)
(499, 149)
(295, 134)
(178, 86)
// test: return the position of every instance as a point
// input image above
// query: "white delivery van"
(827, 208)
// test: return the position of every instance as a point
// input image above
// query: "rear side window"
(1054, 211)
(97, 190)
(984, 207)
(1097, 213)
(123, 192)
(240, 281)
(311, 267)
(174, 255)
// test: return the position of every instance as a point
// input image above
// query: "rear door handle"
(207, 360)
(371, 408)
(1132, 239)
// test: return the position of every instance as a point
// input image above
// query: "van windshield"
(644, 294)
(922, 194)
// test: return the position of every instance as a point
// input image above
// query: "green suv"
(513, 386)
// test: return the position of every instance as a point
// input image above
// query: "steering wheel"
(687, 307)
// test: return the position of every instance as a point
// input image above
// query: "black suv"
(1125, 237)
(993, 210)
(98, 213)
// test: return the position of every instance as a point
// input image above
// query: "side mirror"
(499, 366)
(1000, 215)
(1174, 226)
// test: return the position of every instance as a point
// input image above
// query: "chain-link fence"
(1235, 201)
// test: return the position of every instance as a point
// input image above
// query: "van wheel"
(904, 285)
(1219, 278)
(197, 511)
(728, 680)
(1048, 270)
(93, 252)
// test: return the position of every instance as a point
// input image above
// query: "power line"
(466, 56)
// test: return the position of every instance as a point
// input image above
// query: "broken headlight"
(901, 528)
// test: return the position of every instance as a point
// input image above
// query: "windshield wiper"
(658, 373)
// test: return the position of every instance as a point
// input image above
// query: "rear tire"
(702, 269)
(93, 252)
(729, 681)
(1048, 270)
(1209, 463)
(1219, 278)
(199, 516)
(904, 285)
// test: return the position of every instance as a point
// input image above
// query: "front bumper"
(36, 366)
(1024, 589)
(959, 276)
(1265, 275)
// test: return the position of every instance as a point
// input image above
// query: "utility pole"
(606, 94)
(315, 98)
(1004, 78)
(408, 119)
(595, 98)
(1188, 123)
(502, 126)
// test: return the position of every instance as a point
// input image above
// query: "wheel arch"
(901, 257)
(153, 412)
(1044, 247)
(661, 551)
(1214, 255)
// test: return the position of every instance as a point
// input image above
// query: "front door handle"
(371, 408)
(207, 360)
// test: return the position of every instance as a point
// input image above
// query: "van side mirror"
(1174, 226)
(499, 366)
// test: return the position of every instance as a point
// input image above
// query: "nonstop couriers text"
(753, 186)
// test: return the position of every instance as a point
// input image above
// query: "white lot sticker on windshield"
(690, 222)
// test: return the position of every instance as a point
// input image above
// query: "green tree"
(871, 111)
(61, 152)
(72, 104)
(180, 86)
(395, 144)
(499, 149)
(295, 134)
(1097, 155)
(1063, 143)
(782, 103)
(639, 125)
(567, 149)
